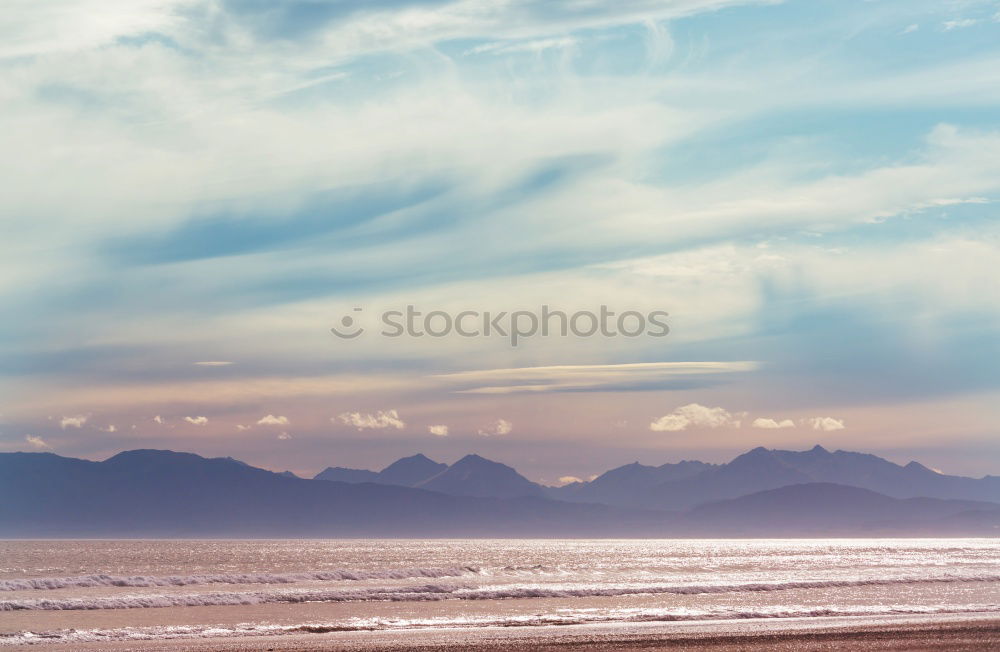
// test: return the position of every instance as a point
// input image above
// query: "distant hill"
(470, 476)
(405, 472)
(341, 474)
(477, 476)
(627, 485)
(150, 493)
(824, 508)
(411, 471)
(761, 469)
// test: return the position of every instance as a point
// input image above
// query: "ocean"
(130, 590)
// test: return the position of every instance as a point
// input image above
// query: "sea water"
(82, 591)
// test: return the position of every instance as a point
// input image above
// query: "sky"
(194, 192)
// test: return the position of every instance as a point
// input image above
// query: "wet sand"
(963, 632)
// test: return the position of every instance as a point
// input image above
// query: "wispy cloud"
(37, 442)
(214, 363)
(496, 428)
(960, 23)
(583, 377)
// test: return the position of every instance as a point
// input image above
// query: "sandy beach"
(894, 633)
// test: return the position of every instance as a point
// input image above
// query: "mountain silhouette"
(823, 507)
(411, 471)
(627, 485)
(405, 472)
(153, 493)
(761, 469)
(477, 476)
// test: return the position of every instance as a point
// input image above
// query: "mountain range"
(760, 493)
(688, 483)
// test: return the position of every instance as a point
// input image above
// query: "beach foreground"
(894, 633)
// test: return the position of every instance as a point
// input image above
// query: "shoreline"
(907, 632)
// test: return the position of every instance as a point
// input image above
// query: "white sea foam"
(87, 581)
(563, 617)
(433, 592)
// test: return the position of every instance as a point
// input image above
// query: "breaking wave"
(533, 620)
(432, 592)
(138, 581)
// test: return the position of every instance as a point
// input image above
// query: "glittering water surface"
(105, 590)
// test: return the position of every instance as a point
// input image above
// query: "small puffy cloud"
(198, 421)
(772, 424)
(826, 424)
(72, 422)
(241, 427)
(438, 431)
(214, 363)
(568, 479)
(37, 442)
(271, 420)
(110, 428)
(363, 421)
(158, 419)
(498, 427)
(694, 415)
(284, 436)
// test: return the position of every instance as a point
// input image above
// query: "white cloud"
(694, 415)
(910, 29)
(772, 424)
(158, 419)
(72, 422)
(949, 25)
(241, 427)
(827, 424)
(438, 431)
(574, 377)
(214, 363)
(284, 436)
(498, 427)
(198, 421)
(110, 428)
(534, 46)
(37, 442)
(271, 420)
(568, 479)
(379, 420)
